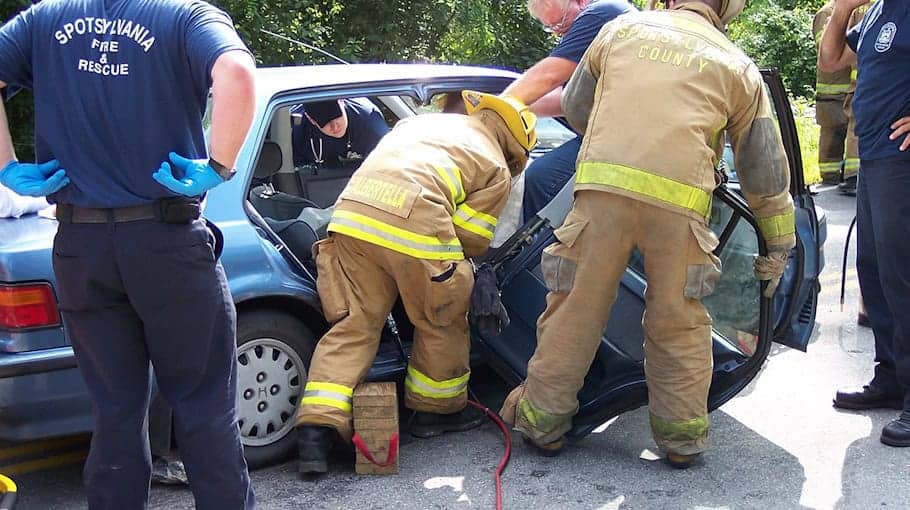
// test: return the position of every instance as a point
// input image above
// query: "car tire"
(274, 350)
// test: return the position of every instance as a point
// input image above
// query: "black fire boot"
(680, 461)
(551, 449)
(848, 187)
(427, 425)
(897, 433)
(314, 442)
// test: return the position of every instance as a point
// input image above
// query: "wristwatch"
(225, 172)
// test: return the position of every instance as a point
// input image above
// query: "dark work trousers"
(882, 256)
(138, 292)
(160, 425)
(547, 175)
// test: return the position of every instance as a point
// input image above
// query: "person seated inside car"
(332, 133)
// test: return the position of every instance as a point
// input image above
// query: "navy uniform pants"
(138, 292)
(547, 175)
(882, 255)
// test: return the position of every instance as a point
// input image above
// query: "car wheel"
(273, 353)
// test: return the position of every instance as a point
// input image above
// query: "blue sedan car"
(273, 211)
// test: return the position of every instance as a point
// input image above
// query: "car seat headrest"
(270, 160)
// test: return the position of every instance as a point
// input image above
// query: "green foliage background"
(776, 33)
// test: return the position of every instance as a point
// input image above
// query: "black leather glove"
(487, 314)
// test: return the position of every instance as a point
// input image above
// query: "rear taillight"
(28, 306)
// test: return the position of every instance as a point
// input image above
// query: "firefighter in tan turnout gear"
(644, 180)
(427, 197)
(837, 145)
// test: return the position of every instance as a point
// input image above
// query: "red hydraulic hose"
(504, 460)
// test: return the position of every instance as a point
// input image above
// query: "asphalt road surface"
(778, 445)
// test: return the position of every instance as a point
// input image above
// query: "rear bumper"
(36, 362)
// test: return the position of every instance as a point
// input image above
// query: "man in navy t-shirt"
(120, 89)
(329, 132)
(880, 46)
(577, 22)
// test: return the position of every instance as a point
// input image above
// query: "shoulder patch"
(885, 37)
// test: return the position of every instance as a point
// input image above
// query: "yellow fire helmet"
(518, 118)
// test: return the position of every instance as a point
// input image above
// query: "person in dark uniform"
(332, 132)
(880, 45)
(576, 22)
(120, 91)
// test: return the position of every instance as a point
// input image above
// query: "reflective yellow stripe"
(327, 386)
(851, 164)
(777, 226)
(328, 394)
(832, 88)
(645, 183)
(394, 238)
(452, 177)
(679, 430)
(426, 387)
(829, 167)
(474, 221)
(853, 75)
(326, 401)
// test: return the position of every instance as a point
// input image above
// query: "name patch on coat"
(392, 197)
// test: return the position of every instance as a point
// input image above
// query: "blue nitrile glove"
(34, 180)
(198, 176)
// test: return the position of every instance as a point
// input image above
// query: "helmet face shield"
(521, 122)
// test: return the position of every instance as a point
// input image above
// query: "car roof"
(273, 80)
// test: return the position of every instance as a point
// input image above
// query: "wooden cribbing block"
(375, 421)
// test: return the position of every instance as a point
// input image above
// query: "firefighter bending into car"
(426, 197)
(644, 180)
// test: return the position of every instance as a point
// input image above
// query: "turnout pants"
(837, 144)
(142, 291)
(582, 270)
(358, 285)
(882, 252)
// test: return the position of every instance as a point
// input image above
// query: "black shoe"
(680, 461)
(848, 187)
(832, 178)
(863, 320)
(314, 442)
(551, 449)
(867, 398)
(897, 433)
(431, 424)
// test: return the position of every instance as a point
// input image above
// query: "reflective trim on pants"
(328, 394)
(425, 386)
(831, 89)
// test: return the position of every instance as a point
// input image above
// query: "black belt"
(167, 210)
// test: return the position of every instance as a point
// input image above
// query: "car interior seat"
(299, 234)
(269, 202)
